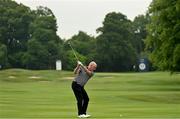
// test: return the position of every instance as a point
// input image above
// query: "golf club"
(73, 51)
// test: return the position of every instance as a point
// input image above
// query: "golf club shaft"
(73, 51)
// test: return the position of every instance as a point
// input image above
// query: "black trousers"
(81, 97)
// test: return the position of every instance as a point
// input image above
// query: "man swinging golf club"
(83, 74)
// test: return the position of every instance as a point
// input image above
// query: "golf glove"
(80, 63)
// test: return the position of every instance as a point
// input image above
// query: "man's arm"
(76, 70)
(90, 73)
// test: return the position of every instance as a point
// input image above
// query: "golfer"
(83, 74)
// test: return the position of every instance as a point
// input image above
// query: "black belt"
(77, 83)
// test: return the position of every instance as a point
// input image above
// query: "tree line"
(28, 39)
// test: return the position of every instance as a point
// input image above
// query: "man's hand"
(76, 70)
(79, 63)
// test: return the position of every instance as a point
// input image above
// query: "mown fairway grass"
(47, 94)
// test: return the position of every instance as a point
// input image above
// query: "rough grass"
(47, 94)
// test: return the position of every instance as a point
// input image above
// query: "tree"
(84, 46)
(44, 47)
(115, 51)
(14, 29)
(69, 60)
(3, 56)
(163, 34)
(36, 56)
(28, 37)
(140, 32)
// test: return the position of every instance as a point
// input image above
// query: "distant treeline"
(28, 39)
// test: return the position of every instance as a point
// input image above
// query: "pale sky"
(87, 15)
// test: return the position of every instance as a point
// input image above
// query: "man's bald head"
(92, 66)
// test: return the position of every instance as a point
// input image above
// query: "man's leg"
(77, 89)
(85, 101)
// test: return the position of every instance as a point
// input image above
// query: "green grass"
(47, 94)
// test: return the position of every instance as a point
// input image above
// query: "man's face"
(92, 66)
